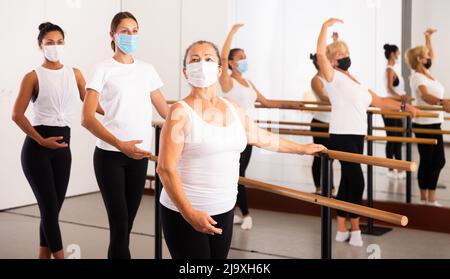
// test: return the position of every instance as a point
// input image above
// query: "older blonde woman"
(350, 100)
(428, 91)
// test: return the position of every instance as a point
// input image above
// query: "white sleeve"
(416, 81)
(155, 81)
(97, 80)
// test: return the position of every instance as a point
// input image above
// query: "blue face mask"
(127, 43)
(242, 66)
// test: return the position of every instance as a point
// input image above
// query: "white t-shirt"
(434, 88)
(209, 164)
(349, 102)
(125, 97)
(401, 86)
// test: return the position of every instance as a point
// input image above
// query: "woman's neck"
(205, 94)
(236, 74)
(391, 62)
(52, 65)
(123, 58)
(421, 69)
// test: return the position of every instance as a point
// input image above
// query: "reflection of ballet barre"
(379, 112)
(311, 109)
(431, 108)
(325, 125)
(319, 103)
(294, 132)
(415, 130)
(317, 125)
(403, 114)
(380, 215)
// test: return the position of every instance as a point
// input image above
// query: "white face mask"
(202, 74)
(54, 53)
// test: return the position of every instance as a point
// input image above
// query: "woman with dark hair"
(53, 88)
(125, 88)
(244, 92)
(395, 88)
(201, 143)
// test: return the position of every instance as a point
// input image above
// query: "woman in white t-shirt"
(125, 88)
(350, 100)
(427, 90)
(242, 91)
(201, 143)
(395, 88)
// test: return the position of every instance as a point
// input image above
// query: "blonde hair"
(413, 53)
(335, 47)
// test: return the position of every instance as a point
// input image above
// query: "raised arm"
(172, 142)
(429, 43)
(225, 79)
(27, 89)
(326, 69)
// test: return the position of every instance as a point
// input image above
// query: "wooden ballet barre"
(430, 131)
(390, 129)
(379, 112)
(371, 160)
(404, 114)
(295, 132)
(285, 123)
(431, 108)
(377, 214)
(403, 140)
(447, 118)
(312, 109)
(414, 130)
(380, 215)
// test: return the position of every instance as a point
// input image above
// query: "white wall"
(167, 28)
(86, 24)
(435, 13)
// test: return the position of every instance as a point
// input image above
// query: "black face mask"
(428, 64)
(344, 63)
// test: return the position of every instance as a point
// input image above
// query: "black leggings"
(432, 158)
(351, 187)
(121, 181)
(317, 163)
(48, 173)
(393, 149)
(242, 193)
(184, 242)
